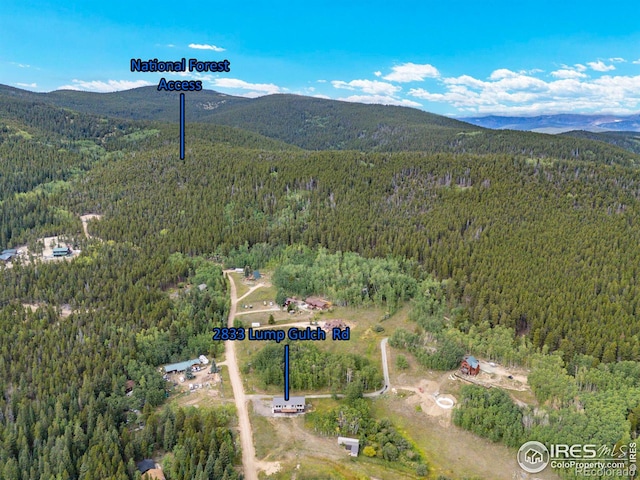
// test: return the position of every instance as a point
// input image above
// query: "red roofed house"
(316, 302)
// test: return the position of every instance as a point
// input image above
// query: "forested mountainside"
(546, 247)
(627, 140)
(541, 248)
(146, 103)
(538, 246)
(321, 124)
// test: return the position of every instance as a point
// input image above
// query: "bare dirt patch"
(203, 390)
(64, 310)
(498, 375)
(85, 219)
(269, 468)
(424, 397)
(49, 243)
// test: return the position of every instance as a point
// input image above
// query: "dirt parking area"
(202, 390)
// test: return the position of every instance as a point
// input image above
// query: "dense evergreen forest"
(542, 248)
(627, 140)
(529, 243)
(64, 409)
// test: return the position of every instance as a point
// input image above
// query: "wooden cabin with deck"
(470, 365)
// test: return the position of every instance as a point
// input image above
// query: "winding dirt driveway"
(250, 465)
(246, 434)
(85, 219)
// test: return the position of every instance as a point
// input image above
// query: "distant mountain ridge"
(306, 122)
(560, 123)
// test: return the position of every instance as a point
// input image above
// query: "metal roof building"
(181, 366)
(8, 254)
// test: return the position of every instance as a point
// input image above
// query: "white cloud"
(256, 89)
(600, 66)
(617, 60)
(373, 87)
(502, 73)
(27, 85)
(203, 46)
(252, 94)
(322, 81)
(411, 72)
(466, 80)
(512, 93)
(579, 67)
(380, 100)
(378, 73)
(568, 73)
(636, 62)
(108, 86)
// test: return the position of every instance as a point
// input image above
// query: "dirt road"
(246, 434)
(85, 219)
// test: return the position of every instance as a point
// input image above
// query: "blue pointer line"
(286, 373)
(182, 126)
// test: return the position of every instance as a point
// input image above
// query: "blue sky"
(457, 58)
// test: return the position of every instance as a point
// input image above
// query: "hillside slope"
(627, 140)
(321, 124)
(542, 248)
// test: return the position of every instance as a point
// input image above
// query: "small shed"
(5, 257)
(145, 465)
(293, 405)
(10, 251)
(352, 445)
(256, 275)
(470, 365)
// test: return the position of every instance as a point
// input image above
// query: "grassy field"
(448, 450)
(241, 287)
(304, 455)
(261, 295)
(247, 317)
(262, 435)
(365, 341)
